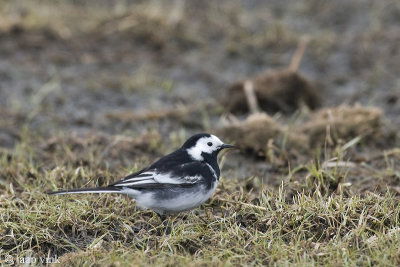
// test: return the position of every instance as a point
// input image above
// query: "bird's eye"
(209, 144)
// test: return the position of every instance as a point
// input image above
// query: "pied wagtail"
(179, 181)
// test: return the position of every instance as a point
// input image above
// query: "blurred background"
(309, 90)
(136, 78)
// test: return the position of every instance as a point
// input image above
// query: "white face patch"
(204, 145)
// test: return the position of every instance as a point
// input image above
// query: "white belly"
(183, 200)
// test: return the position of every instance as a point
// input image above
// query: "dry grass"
(302, 222)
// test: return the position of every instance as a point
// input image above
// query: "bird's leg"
(164, 221)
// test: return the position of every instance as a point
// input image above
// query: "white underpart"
(203, 147)
(182, 201)
(131, 192)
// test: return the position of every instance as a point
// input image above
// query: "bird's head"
(204, 145)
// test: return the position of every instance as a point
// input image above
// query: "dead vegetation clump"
(262, 136)
(343, 123)
(283, 90)
(260, 133)
(280, 90)
(21, 37)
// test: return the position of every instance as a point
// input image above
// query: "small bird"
(179, 181)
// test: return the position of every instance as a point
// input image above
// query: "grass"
(245, 223)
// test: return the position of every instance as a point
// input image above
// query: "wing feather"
(183, 175)
(157, 178)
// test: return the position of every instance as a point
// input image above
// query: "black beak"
(226, 146)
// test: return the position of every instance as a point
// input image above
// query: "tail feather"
(95, 190)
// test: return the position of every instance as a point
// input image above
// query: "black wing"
(184, 175)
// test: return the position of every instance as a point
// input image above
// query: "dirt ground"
(117, 84)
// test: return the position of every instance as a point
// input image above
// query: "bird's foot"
(167, 229)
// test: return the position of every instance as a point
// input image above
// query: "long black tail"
(107, 189)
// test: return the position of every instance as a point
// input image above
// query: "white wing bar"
(150, 177)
